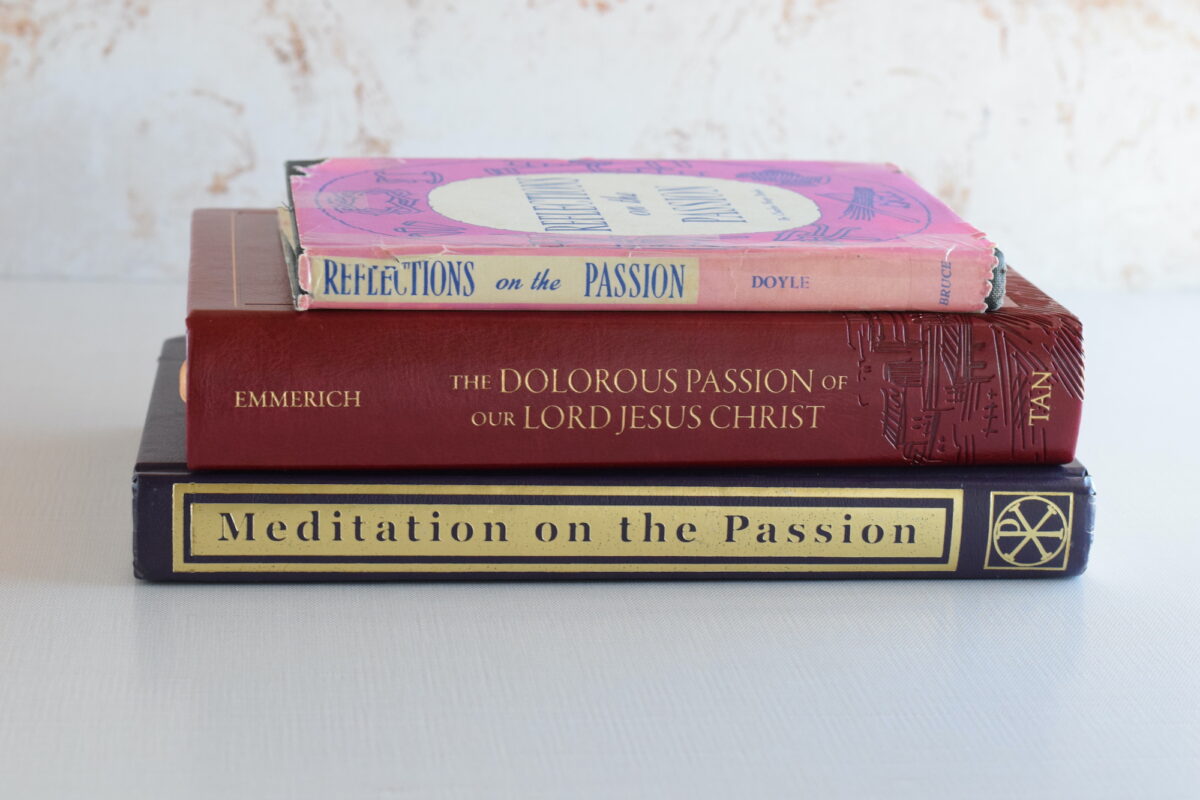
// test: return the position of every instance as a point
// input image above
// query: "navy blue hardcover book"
(913, 522)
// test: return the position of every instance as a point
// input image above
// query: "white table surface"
(111, 688)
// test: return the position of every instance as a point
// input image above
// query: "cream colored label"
(490, 279)
(622, 204)
(429, 529)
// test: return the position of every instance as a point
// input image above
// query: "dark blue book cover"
(1028, 521)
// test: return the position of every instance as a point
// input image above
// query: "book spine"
(193, 526)
(282, 389)
(831, 279)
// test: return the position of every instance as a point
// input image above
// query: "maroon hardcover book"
(269, 387)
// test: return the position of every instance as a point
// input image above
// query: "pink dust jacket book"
(620, 235)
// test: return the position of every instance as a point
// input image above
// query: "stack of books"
(478, 368)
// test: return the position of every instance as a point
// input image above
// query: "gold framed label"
(415, 529)
(1029, 530)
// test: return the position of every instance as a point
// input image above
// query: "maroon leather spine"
(272, 388)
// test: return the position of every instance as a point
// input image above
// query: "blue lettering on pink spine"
(332, 269)
(590, 275)
(634, 280)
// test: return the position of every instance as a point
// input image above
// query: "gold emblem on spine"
(1029, 531)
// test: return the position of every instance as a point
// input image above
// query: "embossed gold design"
(1029, 531)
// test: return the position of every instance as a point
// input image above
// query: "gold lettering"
(712, 417)
(743, 415)
(1040, 402)
(297, 398)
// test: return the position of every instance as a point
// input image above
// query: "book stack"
(609, 369)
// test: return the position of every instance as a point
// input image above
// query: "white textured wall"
(1067, 130)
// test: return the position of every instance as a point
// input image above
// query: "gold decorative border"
(991, 541)
(666, 564)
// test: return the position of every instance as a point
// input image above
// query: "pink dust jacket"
(651, 235)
